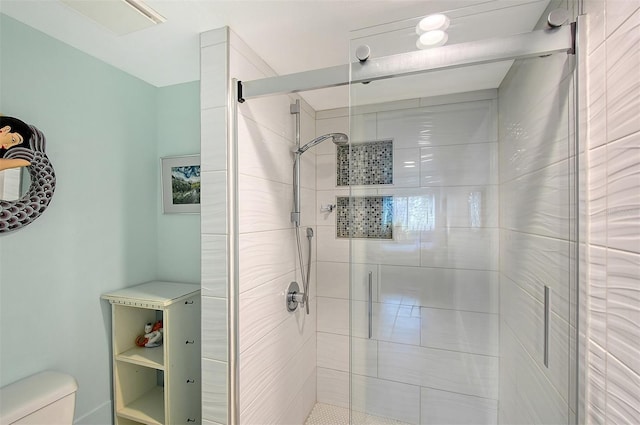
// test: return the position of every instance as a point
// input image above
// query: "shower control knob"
(363, 52)
(558, 18)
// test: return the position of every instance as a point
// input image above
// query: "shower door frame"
(520, 46)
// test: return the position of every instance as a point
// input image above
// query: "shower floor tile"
(327, 414)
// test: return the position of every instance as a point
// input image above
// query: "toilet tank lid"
(27, 395)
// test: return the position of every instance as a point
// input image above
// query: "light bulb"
(433, 22)
(432, 39)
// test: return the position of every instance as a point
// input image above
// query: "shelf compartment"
(139, 394)
(148, 357)
(130, 322)
(148, 409)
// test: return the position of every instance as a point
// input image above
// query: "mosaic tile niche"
(364, 164)
(369, 217)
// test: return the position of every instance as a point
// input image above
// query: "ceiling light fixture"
(434, 38)
(431, 30)
(432, 23)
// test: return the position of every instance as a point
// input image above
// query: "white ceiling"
(290, 35)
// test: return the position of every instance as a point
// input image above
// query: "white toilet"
(44, 398)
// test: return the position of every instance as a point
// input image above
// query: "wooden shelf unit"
(159, 385)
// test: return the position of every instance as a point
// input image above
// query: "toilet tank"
(47, 397)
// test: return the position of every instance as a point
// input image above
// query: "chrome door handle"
(547, 294)
(370, 306)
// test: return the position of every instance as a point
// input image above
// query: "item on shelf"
(152, 335)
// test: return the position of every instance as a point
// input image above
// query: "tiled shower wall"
(433, 355)
(613, 91)
(535, 240)
(277, 348)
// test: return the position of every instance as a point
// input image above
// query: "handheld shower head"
(338, 139)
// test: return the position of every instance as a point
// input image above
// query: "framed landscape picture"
(181, 184)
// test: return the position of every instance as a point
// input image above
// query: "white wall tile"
(623, 62)
(272, 386)
(623, 196)
(394, 322)
(330, 248)
(454, 289)
(598, 295)
(538, 401)
(263, 204)
(262, 309)
(214, 265)
(213, 202)
(213, 68)
(385, 398)
(595, 14)
(623, 393)
(472, 122)
(333, 353)
(333, 279)
(596, 390)
(282, 356)
(623, 307)
(443, 207)
(406, 167)
(548, 190)
(370, 395)
(333, 387)
(214, 320)
(265, 256)
(362, 127)
(333, 315)
(213, 139)
(459, 165)
(538, 138)
(597, 111)
(263, 153)
(598, 196)
(441, 407)
(326, 172)
(299, 409)
(525, 315)
(460, 248)
(456, 330)
(463, 373)
(532, 261)
(214, 391)
(618, 11)
(211, 37)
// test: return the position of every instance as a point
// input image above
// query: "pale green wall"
(178, 134)
(104, 228)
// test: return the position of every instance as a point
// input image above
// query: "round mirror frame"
(17, 214)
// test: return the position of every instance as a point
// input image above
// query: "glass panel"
(447, 318)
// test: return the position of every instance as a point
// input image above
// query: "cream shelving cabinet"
(159, 385)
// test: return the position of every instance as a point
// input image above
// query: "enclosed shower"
(439, 269)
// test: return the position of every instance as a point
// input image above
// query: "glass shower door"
(455, 193)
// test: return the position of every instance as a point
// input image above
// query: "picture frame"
(181, 184)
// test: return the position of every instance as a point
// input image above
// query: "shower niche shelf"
(159, 385)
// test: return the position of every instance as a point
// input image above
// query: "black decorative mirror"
(24, 195)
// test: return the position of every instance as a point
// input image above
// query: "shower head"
(338, 139)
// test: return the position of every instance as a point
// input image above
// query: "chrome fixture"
(293, 295)
(558, 18)
(338, 139)
(327, 208)
(363, 52)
